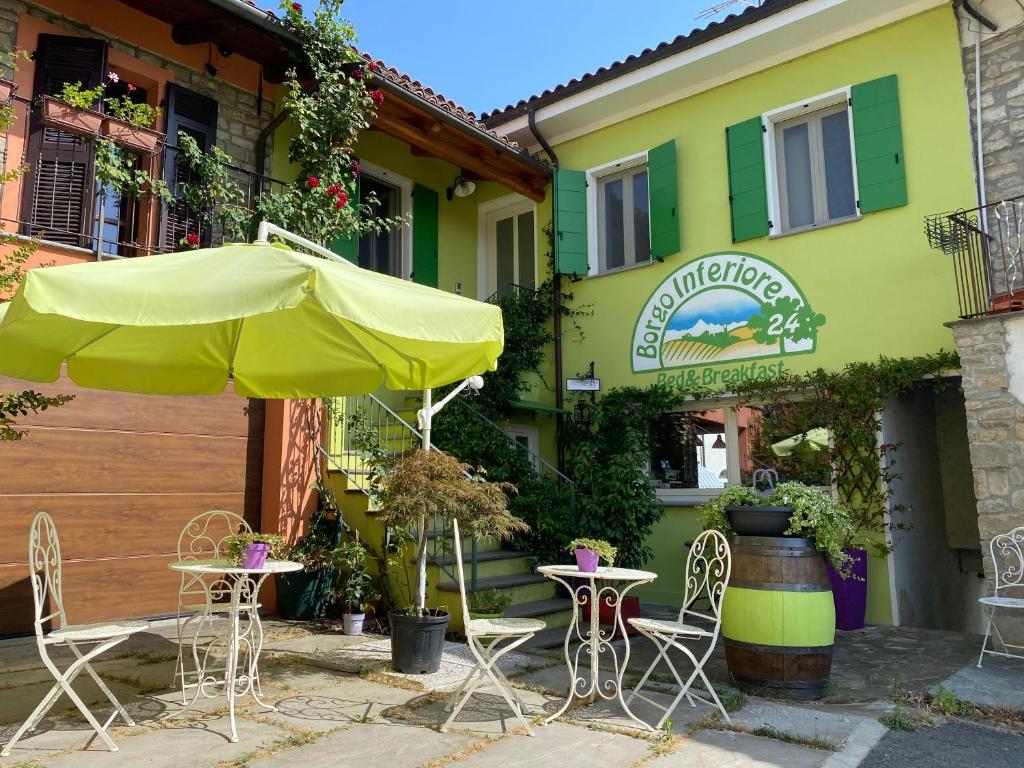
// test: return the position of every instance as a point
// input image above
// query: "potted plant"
(305, 594)
(742, 511)
(589, 552)
(129, 123)
(71, 110)
(355, 584)
(487, 604)
(411, 490)
(813, 514)
(251, 550)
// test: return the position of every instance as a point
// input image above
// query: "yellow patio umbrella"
(280, 323)
(813, 439)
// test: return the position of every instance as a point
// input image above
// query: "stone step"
(494, 562)
(555, 612)
(522, 588)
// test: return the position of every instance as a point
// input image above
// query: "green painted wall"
(882, 290)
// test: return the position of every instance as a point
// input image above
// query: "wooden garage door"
(121, 474)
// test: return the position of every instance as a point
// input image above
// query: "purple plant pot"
(851, 595)
(255, 555)
(587, 560)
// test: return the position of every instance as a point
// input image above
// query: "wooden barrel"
(778, 618)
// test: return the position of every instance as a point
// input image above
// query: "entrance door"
(511, 249)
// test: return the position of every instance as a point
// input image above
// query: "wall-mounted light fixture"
(460, 188)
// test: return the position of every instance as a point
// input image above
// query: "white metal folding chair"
(200, 596)
(45, 570)
(708, 566)
(483, 636)
(1007, 551)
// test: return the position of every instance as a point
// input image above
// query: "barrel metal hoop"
(786, 650)
(773, 586)
(785, 542)
(787, 552)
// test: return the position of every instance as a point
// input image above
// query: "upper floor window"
(623, 210)
(510, 247)
(814, 165)
(381, 251)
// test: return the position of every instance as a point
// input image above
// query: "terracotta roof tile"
(694, 38)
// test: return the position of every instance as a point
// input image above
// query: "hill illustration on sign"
(720, 308)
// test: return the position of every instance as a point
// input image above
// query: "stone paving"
(373, 719)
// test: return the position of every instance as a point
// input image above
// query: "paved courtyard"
(336, 700)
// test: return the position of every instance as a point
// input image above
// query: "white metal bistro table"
(596, 640)
(245, 634)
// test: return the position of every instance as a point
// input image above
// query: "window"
(623, 212)
(510, 248)
(527, 439)
(814, 167)
(381, 251)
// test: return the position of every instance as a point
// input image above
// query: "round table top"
(610, 574)
(228, 568)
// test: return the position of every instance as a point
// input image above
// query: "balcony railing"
(58, 199)
(986, 246)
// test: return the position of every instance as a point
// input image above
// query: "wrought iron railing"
(57, 197)
(986, 246)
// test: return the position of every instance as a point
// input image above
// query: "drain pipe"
(979, 150)
(556, 278)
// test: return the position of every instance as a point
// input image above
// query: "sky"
(485, 54)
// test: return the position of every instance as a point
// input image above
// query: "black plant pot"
(758, 521)
(417, 641)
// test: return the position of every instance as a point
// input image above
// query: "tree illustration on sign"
(786, 317)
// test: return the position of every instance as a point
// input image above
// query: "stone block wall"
(992, 364)
(238, 124)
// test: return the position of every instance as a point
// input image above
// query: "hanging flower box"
(7, 90)
(133, 137)
(57, 114)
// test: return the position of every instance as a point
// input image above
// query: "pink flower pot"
(255, 555)
(57, 114)
(133, 137)
(587, 560)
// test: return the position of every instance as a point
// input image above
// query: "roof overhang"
(799, 29)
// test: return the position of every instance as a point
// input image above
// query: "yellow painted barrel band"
(778, 618)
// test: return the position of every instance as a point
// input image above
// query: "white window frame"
(405, 186)
(693, 496)
(488, 213)
(802, 108)
(532, 435)
(594, 177)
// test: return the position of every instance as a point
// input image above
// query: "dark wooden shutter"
(59, 194)
(347, 246)
(194, 114)
(748, 188)
(878, 139)
(424, 235)
(663, 185)
(571, 220)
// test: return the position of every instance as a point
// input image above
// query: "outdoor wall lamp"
(460, 188)
(719, 442)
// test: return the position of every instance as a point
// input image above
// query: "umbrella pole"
(427, 418)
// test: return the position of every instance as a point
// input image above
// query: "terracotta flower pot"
(7, 91)
(57, 114)
(133, 137)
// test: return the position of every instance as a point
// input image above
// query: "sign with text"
(724, 308)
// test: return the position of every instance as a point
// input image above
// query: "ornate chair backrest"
(462, 577)
(708, 566)
(203, 538)
(45, 568)
(1008, 559)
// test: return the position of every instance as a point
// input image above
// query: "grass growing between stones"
(768, 732)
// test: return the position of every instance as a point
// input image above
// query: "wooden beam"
(459, 156)
(201, 31)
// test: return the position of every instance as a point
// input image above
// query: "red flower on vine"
(334, 190)
(313, 182)
(192, 239)
(356, 167)
(357, 74)
(347, 150)
(373, 66)
(132, 87)
(342, 200)
(297, 7)
(377, 96)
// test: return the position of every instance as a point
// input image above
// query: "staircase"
(362, 426)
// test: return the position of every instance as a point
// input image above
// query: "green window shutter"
(748, 190)
(878, 141)
(424, 235)
(571, 220)
(663, 183)
(347, 246)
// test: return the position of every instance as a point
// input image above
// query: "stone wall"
(1002, 105)
(238, 124)
(992, 364)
